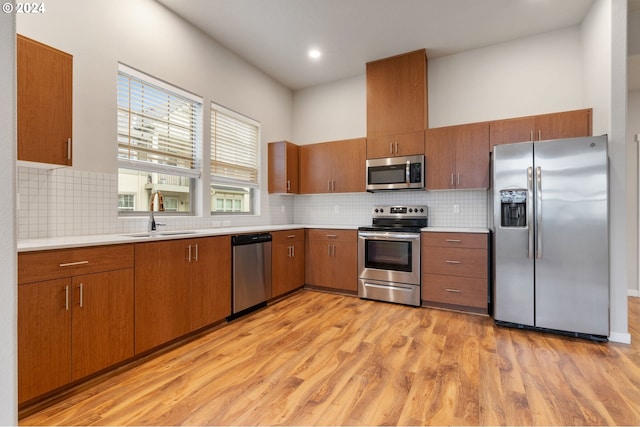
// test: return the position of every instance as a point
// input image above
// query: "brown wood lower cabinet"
(71, 327)
(287, 261)
(332, 259)
(181, 286)
(455, 271)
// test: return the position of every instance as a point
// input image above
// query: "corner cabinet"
(455, 271)
(287, 261)
(457, 157)
(181, 286)
(397, 112)
(75, 315)
(44, 103)
(332, 259)
(283, 167)
(567, 124)
(333, 167)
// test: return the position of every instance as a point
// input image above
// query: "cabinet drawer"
(455, 262)
(287, 236)
(331, 234)
(47, 265)
(463, 291)
(455, 240)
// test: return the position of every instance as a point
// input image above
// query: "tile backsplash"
(65, 202)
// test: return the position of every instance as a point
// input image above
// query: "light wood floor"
(318, 358)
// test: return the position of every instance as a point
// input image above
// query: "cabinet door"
(44, 96)
(288, 259)
(440, 158)
(510, 131)
(472, 155)
(102, 322)
(318, 263)
(344, 265)
(210, 298)
(315, 168)
(283, 167)
(397, 94)
(405, 144)
(348, 166)
(161, 293)
(567, 124)
(44, 337)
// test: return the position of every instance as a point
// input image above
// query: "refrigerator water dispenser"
(513, 205)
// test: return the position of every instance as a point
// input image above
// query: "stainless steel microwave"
(395, 173)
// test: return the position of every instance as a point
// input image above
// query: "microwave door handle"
(408, 173)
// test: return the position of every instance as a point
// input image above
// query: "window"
(234, 161)
(126, 202)
(159, 142)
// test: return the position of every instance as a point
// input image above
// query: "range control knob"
(421, 210)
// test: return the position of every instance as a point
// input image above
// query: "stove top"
(398, 218)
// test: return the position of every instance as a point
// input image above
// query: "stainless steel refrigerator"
(550, 242)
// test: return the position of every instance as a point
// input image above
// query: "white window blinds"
(234, 147)
(158, 124)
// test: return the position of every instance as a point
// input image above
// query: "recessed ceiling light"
(314, 53)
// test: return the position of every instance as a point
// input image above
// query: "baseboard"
(633, 293)
(623, 338)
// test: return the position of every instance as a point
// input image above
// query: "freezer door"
(572, 254)
(513, 285)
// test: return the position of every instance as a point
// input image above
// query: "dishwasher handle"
(250, 239)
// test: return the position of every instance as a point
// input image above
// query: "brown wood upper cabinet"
(457, 157)
(333, 167)
(75, 315)
(45, 77)
(283, 167)
(567, 124)
(397, 112)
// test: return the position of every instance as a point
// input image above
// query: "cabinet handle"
(453, 290)
(81, 295)
(66, 298)
(189, 254)
(329, 250)
(333, 250)
(333, 185)
(71, 264)
(452, 262)
(288, 185)
(396, 147)
(539, 135)
(68, 148)
(291, 236)
(293, 251)
(454, 240)
(458, 180)
(196, 258)
(331, 235)
(452, 184)
(391, 148)
(289, 251)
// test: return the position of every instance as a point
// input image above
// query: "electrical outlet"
(456, 209)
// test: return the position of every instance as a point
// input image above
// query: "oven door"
(389, 256)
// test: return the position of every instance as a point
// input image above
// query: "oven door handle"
(386, 236)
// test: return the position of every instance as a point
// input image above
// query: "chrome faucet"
(152, 221)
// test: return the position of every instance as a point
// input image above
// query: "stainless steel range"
(389, 254)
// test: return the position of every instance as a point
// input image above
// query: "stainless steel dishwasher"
(251, 285)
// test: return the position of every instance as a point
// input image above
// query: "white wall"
(633, 128)
(144, 35)
(8, 265)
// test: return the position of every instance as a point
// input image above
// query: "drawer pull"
(452, 262)
(291, 236)
(332, 235)
(71, 264)
(454, 240)
(457, 291)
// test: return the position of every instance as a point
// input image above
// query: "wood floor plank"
(323, 359)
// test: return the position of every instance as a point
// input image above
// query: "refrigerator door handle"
(538, 213)
(530, 238)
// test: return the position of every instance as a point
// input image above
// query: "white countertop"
(455, 230)
(27, 245)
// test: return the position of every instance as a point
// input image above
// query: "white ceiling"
(275, 35)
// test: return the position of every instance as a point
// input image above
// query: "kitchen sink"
(161, 233)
